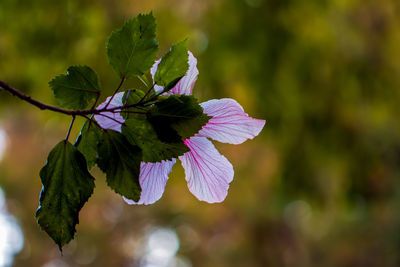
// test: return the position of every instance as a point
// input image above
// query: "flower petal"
(185, 85)
(208, 173)
(153, 178)
(104, 118)
(229, 123)
(153, 71)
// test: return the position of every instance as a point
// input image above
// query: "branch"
(44, 106)
(35, 102)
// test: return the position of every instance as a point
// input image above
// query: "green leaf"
(120, 160)
(173, 66)
(177, 117)
(142, 134)
(87, 142)
(67, 185)
(77, 88)
(132, 49)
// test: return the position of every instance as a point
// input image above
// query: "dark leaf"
(120, 160)
(67, 185)
(142, 134)
(77, 88)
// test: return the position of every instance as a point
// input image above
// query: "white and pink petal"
(153, 178)
(110, 120)
(229, 123)
(153, 71)
(186, 84)
(208, 173)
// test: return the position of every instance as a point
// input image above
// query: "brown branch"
(44, 106)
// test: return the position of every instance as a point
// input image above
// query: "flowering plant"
(208, 173)
(135, 136)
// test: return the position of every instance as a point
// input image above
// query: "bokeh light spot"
(161, 248)
(11, 237)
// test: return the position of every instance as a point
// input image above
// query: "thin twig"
(94, 121)
(116, 91)
(147, 93)
(128, 93)
(70, 127)
(97, 99)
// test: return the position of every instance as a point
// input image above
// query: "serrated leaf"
(142, 134)
(120, 160)
(132, 49)
(173, 66)
(77, 88)
(177, 117)
(67, 185)
(87, 142)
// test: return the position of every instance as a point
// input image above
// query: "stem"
(116, 91)
(127, 96)
(70, 127)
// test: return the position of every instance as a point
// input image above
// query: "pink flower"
(208, 173)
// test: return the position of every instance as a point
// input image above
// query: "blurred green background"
(318, 187)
